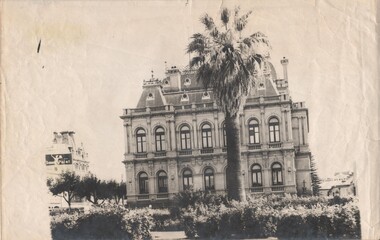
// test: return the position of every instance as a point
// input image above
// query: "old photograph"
(190, 119)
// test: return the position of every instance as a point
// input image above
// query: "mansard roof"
(184, 89)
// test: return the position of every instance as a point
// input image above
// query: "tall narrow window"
(256, 176)
(209, 179)
(160, 139)
(277, 174)
(185, 137)
(253, 131)
(224, 136)
(141, 140)
(162, 179)
(206, 136)
(274, 130)
(143, 183)
(187, 179)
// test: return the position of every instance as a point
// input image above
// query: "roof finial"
(152, 75)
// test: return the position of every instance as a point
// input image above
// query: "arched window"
(277, 174)
(209, 179)
(224, 136)
(256, 176)
(143, 183)
(162, 179)
(160, 139)
(253, 131)
(185, 137)
(206, 136)
(187, 177)
(274, 130)
(141, 140)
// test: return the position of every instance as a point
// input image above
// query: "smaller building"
(342, 185)
(64, 155)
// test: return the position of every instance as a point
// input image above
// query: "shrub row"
(297, 218)
(108, 222)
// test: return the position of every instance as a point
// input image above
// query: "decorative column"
(283, 134)
(216, 121)
(126, 138)
(149, 136)
(243, 130)
(300, 131)
(290, 129)
(172, 135)
(263, 127)
(305, 130)
(195, 135)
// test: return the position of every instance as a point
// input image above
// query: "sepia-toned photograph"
(190, 119)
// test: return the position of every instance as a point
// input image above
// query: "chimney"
(175, 77)
(65, 137)
(72, 140)
(55, 137)
(284, 63)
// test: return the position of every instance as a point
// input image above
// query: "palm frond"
(225, 16)
(208, 22)
(241, 22)
(197, 44)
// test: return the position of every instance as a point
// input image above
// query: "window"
(253, 131)
(187, 82)
(143, 183)
(206, 136)
(185, 97)
(185, 137)
(256, 176)
(150, 96)
(187, 179)
(224, 136)
(206, 95)
(209, 179)
(141, 140)
(274, 130)
(276, 174)
(162, 178)
(160, 139)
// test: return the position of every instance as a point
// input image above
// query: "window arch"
(256, 175)
(277, 174)
(253, 131)
(206, 136)
(162, 181)
(209, 180)
(143, 183)
(274, 130)
(160, 139)
(187, 177)
(185, 137)
(141, 140)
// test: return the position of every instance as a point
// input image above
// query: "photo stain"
(39, 46)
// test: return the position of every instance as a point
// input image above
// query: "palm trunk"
(235, 180)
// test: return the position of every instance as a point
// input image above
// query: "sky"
(94, 56)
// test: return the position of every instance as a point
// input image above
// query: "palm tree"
(230, 65)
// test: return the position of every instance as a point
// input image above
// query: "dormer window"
(185, 97)
(206, 95)
(150, 96)
(166, 82)
(187, 82)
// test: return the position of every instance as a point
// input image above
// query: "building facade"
(64, 155)
(175, 139)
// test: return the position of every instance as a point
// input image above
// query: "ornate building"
(175, 139)
(64, 155)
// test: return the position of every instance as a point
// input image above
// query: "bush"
(289, 217)
(102, 223)
(162, 220)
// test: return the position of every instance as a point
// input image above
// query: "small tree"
(67, 185)
(93, 189)
(117, 191)
(315, 180)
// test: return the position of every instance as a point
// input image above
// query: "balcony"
(207, 151)
(160, 154)
(143, 197)
(257, 189)
(275, 145)
(185, 152)
(278, 189)
(254, 146)
(162, 195)
(141, 155)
